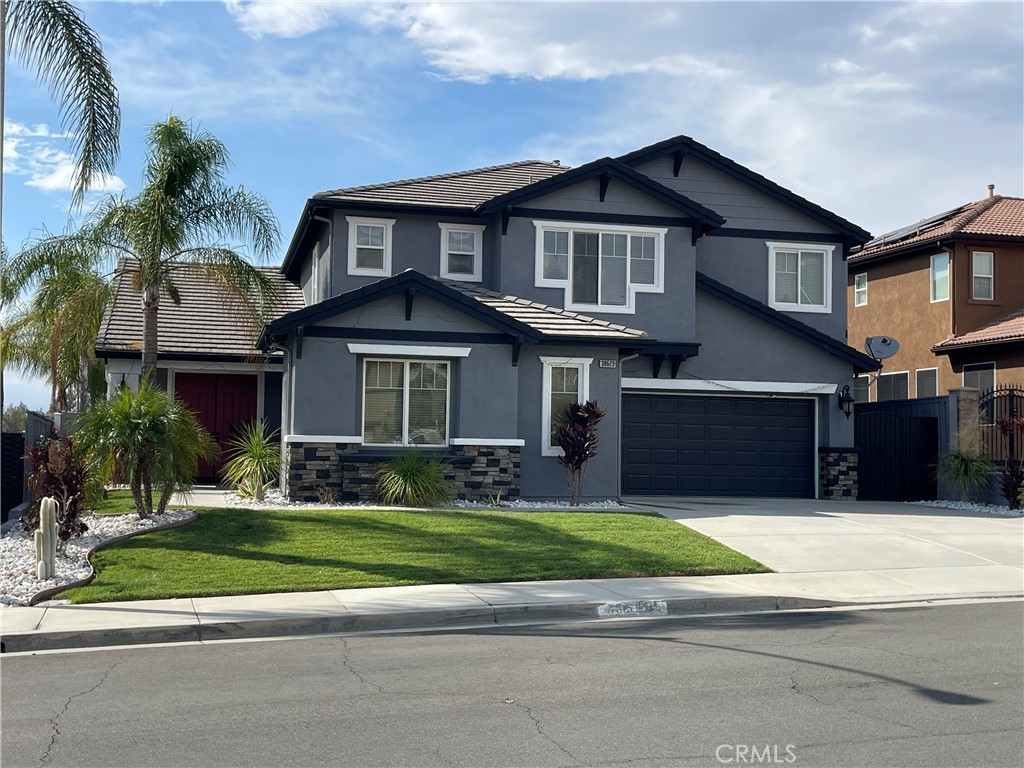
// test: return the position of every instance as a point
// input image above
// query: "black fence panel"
(12, 472)
(897, 455)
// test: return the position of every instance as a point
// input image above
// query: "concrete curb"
(424, 619)
(38, 597)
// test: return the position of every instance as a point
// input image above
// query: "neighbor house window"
(405, 402)
(982, 265)
(800, 277)
(980, 376)
(940, 277)
(861, 389)
(566, 381)
(927, 382)
(860, 289)
(893, 386)
(461, 249)
(369, 246)
(600, 268)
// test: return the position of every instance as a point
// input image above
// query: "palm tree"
(50, 38)
(183, 218)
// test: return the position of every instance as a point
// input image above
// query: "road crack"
(536, 723)
(795, 687)
(348, 665)
(55, 720)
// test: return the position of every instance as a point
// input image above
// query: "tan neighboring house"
(950, 289)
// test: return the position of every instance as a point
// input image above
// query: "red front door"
(223, 403)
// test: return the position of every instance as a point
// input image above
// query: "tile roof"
(1005, 329)
(208, 321)
(997, 216)
(548, 320)
(460, 189)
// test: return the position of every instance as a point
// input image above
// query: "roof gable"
(786, 323)
(607, 169)
(681, 146)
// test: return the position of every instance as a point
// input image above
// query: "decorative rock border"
(38, 597)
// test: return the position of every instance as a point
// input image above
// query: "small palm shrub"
(155, 440)
(255, 460)
(414, 480)
(965, 469)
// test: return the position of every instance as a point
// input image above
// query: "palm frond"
(51, 39)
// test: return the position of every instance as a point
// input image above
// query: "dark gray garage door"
(717, 446)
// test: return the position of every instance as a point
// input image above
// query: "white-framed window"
(369, 246)
(927, 382)
(983, 275)
(405, 402)
(861, 389)
(462, 252)
(940, 277)
(892, 386)
(566, 380)
(602, 267)
(800, 277)
(860, 290)
(980, 376)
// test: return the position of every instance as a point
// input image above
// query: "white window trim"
(405, 404)
(566, 285)
(408, 350)
(583, 363)
(918, 372)
(891, 373)
(496, 442)
(353, 222)
(315, 255)
(991, 276)
(857, 302)
(931, 277)
(826, 308)
(478, 249)
(976, 366)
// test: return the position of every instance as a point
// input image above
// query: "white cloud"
(35, 154)
(284, 18)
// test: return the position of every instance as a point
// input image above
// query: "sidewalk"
(825, 554)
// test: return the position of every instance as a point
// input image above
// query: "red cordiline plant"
(576, 435)
(1011, 474)
(59, 470)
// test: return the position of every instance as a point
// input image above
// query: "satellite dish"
(881, 347)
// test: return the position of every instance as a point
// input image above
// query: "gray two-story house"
(703, 305)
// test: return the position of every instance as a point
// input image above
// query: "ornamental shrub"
(412, 479)
(59, 470)
(576, 435)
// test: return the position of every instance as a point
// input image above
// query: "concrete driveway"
(861, 549)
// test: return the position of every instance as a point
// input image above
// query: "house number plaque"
(608, 363)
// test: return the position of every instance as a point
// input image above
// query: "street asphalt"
(936, 686)
(825, 554)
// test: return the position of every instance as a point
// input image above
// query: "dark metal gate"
(897, 455)
(1001, 432)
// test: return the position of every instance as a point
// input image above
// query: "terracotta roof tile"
(460, 189)
(208, 321)
(1005, 329)
(997, 216)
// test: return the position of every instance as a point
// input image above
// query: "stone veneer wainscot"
(348, 471)
(837, 473)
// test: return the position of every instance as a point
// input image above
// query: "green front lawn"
(244, 551)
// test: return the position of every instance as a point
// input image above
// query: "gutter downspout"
(330, 249)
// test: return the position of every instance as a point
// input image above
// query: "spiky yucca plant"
(414, 480)
(255, 460)
(967, 470)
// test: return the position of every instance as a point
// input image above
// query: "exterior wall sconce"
(846, 401)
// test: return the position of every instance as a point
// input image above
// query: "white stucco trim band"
(487, 441)
(724, 386)
(323, 439)
(408, 350)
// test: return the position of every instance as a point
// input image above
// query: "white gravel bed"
(18, 582)
(970, 506)
(274, 499)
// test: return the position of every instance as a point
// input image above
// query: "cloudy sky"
(882, 112)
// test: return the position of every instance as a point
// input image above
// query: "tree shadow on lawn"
(480, 547)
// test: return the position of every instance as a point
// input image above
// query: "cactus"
(46, 539)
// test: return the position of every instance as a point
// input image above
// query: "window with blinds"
(892, 386)
(600, 268)
(927, 382)
(405, 402)
(462, 252)
(800, 277)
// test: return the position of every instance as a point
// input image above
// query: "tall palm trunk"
(150, 314)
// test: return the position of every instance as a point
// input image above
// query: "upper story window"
(983, 275)
(462, 252)
(369, 246)
(940, 277)
(927, 382)
(860, 289)
(893, 386)
(602, 267)
(800, 277)
(566, 381)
